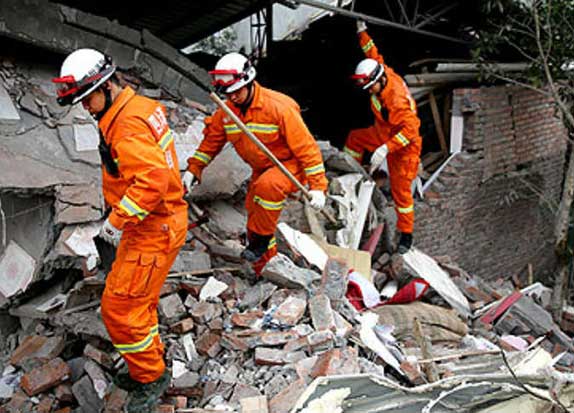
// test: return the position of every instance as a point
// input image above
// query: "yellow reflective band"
(351, 152)
(368, 46)
(165, 140)
(263, 128)
(406, 210)
(140, 345)
(272, 243)
(376, 102)
(132, 208)
(402, 139)
(269, 205)
(314, 170)
(203, 157)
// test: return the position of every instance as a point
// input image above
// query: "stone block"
(321, 313)
(284, 273)
(171, 308)
(86, 395)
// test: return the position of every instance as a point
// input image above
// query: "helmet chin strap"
(107, 104)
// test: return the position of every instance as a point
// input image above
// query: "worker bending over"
(275, 119)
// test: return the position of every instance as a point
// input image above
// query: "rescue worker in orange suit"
(394, 136)
(276, 120)
(147, 220)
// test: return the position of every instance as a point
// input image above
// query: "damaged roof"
(175, 22)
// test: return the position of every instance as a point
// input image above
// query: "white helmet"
(232, 72)
(368, 71)
(83, 71)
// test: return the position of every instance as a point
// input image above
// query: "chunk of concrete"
(17, 269)
(8, 113)
(191, 261)
(283, 272)
(86, 395)
(223, 177)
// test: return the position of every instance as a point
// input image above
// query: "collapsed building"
(494, 160)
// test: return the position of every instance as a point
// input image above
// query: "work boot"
(123, 380)
(258, 245)
(144, 396)
(405, 243)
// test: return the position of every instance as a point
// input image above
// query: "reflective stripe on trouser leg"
(266, 198)
(129, 309)
(402, 171)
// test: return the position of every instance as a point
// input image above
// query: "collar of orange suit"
(121, 100)
(256, 103)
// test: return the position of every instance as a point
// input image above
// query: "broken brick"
(336, 361)
(247, 319)
(414, 375)
(37, 347)
(45, 377)
(286, 399)
(256, 404)
(183, 326)
(102, 358)
(276, 357)
(208, 344)
(64, 394)
(290, 311)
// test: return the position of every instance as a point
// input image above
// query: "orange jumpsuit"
(276, 120)
(146, 197)
(397, 126)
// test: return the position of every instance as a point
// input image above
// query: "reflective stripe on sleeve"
(368, 46)
(315, 169)
(165, 140)
(203, 157)
(131, 208)
(402, 139)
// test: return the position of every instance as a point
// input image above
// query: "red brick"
(165, 408)
(45, 377)
(290, 311)
(336, 361)
(37, 347)
(208, 344)
(102, 358)
(414, 375)
(183, 326)
(247, 319)
(45, 405)
(115, 400)
(286, 399)
(276, 357)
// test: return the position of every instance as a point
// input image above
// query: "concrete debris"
(289, 340)
(17, 269)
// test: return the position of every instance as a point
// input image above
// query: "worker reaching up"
(276, 120)
(147, 218)
(395, 134)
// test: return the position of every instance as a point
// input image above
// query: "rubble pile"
(335, 322)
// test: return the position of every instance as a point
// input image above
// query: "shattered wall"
(492, 208)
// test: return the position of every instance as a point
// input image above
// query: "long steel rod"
(375, 20)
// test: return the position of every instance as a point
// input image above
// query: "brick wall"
(491, 207)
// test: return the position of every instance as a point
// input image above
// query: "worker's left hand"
(110, 234)
(317, 200)
(378, 157)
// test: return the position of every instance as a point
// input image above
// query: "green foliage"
(509, 34)
(218, 43)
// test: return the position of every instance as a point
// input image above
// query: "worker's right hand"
(189, 181)
(361, 26)
(378, 158)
